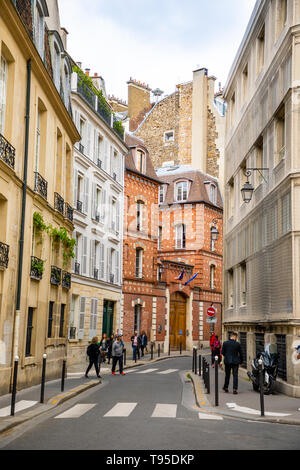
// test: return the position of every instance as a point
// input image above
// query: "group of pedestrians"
(233, 358)
(112, 348)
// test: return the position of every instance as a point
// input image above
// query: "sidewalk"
(279, 408)
(28, 404)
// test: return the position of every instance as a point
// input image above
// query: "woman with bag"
(217, 350)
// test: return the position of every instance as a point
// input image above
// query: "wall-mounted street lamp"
(214, 231)
(247, 190)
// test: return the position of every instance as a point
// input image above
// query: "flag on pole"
(180, 277)
(194, 277)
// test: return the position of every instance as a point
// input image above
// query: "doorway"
(177, 321)
(108, 317)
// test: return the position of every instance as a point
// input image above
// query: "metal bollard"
(63, 375)
(195, 360)
(124, 354)
(43, 378)
(151, 351)
(169, 349)
(200, 365)
(193, 366)
(208, 379)
(159, 350)
(14, 388)
(216, 381)
(180, 347)
(261, 383)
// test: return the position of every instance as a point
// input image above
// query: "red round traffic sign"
(211, 311)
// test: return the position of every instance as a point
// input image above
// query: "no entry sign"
(211, 312)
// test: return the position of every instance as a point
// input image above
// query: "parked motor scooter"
(270, 359)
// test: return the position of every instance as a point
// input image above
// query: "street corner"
(62, 397)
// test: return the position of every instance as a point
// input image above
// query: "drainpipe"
(21, 243)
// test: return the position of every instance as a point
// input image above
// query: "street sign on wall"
(211, 312)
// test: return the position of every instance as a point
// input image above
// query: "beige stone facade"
(261, 241)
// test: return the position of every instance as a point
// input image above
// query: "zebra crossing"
(125, 410)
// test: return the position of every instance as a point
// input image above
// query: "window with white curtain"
(182, 191)
(213, 194)
(212, 276)
(180, 236)
(3, 87)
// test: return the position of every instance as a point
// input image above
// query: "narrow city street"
(151, 407)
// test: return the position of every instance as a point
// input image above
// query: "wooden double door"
(178, 321)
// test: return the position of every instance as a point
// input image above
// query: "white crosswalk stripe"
(164, 411)
(169, 371)
(147, 371)
(20, 406)
(205, 416)
(121, 410)
(76, 411)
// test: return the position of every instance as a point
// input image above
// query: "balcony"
(66, 280)
(69, 212)
(7, 152)
(56, 275)
(37, 268)
(4, 251)
(77, 268)
(86, 93)
(104, 112)
(40, 185)
(59, 203)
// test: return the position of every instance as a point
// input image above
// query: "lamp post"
(248, 190)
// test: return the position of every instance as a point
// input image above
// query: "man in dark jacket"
(144, 342)
(233, 357)
(93, 352)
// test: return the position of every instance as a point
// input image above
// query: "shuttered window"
(259, 342)
(286, 213)
(86, 195)
(102, 261)
(281, 349)
(84, 255)
(243, 342)
(82, 304)
(93, 318)
(3, 86)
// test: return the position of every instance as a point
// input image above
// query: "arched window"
(180, 236)
(212, 276)
(140, 161)
(139, 215)
(139, 263)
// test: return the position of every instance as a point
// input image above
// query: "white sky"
(158, 42)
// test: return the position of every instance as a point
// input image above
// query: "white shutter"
(81, 317)
(96, 146)
(102, 261)
(75, 187)
(103, 204)
(117, 268)
(118, 217)
(3, 82)
(93, 318)
(88, 139)
(86, 195)
(92, 258)
(94, 200)
(84, 255)
(109, 270)
(106, 155)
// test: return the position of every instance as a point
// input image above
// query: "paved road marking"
(210, 417)
(169, 371)
(147, 371)
(76, 411)
(20, 406)
(250, 411)
(164, 411)
(121, 410)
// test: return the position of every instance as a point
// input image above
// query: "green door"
(108, 317)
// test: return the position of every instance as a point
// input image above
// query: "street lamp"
(214, 234)
(248, 190)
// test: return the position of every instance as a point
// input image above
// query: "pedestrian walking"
(136, 344)
(144, 342)
(233, 357)
(117, 355)
(217, 351)
(211, 344)
(93, 353)
(110, 343)
(104, 347)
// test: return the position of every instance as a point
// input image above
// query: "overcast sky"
(159, 42)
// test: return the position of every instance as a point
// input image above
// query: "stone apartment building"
(261, 288)
(37, 135)
(190, 214)
(98, 216)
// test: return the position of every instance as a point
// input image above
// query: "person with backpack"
(93, 352)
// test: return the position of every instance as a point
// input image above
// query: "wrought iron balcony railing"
(55, 279)
(4, 252)
(77, 268)
(37, 268)
(7, 152)
(59, 203)
(104, 112)
(66, 280)
(40, 185)
(86, 93)
(69, 212)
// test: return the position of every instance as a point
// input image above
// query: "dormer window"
(182, 191)
(140, 161)
(39, 25)
(56, 66)
(213, 194)
(169, 137)
(161, 194)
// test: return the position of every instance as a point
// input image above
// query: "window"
(159, 241)
(232, 110)
(231, 198)
(28, 349)
(137, 318)
(212, 276)
(50, 319)
(212, 241)
(280, 134)
(39, 29)
(3, 87)
(139, 215)
(38, 141)
(245, 84)
(93, 318)
(243, 341)
(274, 222)
(230, 288)
(180, 236)
(140, 161)
(169, 136)
(261, 50)
(182, 191)
(259, 154)
(286, 213)
(56, 66)
(82, 305)
(213, 194)
(281, 16)
(139, 263)
(66, 85)
(244, 283)
(161, 194)
(62, 321)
